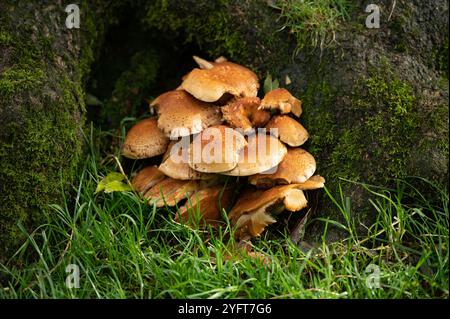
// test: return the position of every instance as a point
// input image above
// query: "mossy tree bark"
(42, 68)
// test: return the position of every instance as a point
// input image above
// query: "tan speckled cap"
(216, 149)
(289, 130)
(262, 153)
(297, 167)
(210, 84)
(180, 114)
(144, 140)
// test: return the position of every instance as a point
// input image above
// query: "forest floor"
(127, 249)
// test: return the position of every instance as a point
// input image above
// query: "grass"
(126, 249)
(313, 23)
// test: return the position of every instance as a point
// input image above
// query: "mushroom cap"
(221, 59)
(180, 114)
(253, 210)
(175, 163)
(244, 113)
(216, 149)
(289, 130)
(208, 202)
(296, 167)
(144, 140)
(146, 178)
(282, 100)
(262, 153)
(314, 182)
(170, 191)
(224, 77)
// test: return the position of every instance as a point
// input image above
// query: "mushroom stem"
(202, 63)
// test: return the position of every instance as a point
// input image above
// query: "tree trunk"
(42, 68)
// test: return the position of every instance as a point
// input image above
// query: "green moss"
(376, 147)
(247, 32)
(5, 38)
(369, 133)
(211, 29)
(16, 79)
(381, 134)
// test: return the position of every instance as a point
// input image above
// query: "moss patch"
(381, 128)
(247, 32)
(374, 135)
(211, 29)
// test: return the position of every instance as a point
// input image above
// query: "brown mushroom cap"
(224, 77)
(146, 178)
(282, 100)
(208, 202)
(170, 191)
(216, 149)
(144, 140)
(297, 166)
(180, 114)
(253, 210)
(175, 163)
(263, 153)
(314, 182)
(289, 130)
(244, 113)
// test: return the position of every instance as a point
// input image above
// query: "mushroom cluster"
(214, 134)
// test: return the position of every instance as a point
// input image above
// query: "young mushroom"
(289, 130)
(180, 114)
(209, 84)
(254, 210)
(262, 153)
(296, 167)
(144, 140)
(202, 64)
(216, 149)
(282, 100)
(244, 113)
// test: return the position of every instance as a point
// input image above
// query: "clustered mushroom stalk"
(214, 132)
